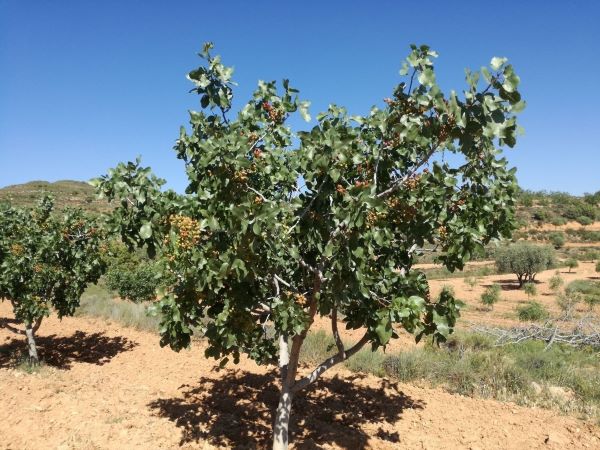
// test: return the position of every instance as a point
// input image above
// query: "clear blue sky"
(86, 84)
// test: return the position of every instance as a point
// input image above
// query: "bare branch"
(285, 283)
(329, 363)
(586, 332)
(257, 193)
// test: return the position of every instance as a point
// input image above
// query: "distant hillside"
(66, 193)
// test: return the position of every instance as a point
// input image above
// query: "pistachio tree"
(46, 261)
(277, 227)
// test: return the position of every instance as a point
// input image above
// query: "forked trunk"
(33, 354)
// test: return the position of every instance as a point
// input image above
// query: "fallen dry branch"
(585, 332)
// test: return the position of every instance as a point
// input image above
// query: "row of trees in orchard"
(277, 227)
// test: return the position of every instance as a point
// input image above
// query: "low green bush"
(557, 239)
(584, 220)
(532, 311)
(136, 284)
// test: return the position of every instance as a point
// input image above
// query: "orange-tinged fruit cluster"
(241, 176)
(188, 231)
(340, 189)
(298, 298)
(274, 114)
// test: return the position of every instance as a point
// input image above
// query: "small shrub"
(557, 240)
(471, 282)
(530, 290)
(555, 282)
(491, 295)
(598, 266)
(567, 301)
(584, 220)
(571, 263)
(532, 311)
(558, 221)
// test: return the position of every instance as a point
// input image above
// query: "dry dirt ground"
(109, 387)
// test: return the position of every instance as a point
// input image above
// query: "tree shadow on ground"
(507, 284)
(236, 410)
(62, 351)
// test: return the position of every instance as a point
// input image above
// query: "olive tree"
(277, 227)
(525, 260)
(46, 261)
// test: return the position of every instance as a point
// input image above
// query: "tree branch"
(399, 183)
(329, 363)
(336, 334)
(4, 324)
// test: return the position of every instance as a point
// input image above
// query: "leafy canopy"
(276, 227)
(47, 259)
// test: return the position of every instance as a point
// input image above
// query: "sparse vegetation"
(588, 290)
(470, 364)
(97, 302)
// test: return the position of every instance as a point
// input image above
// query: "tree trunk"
(33, 354)
(284, 409)
(282, 419)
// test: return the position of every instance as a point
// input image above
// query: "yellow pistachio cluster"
(17, 249)
(188, 231)
(402, 211)
(413, 182)
(443, 231)
(298, 298)
(241, 176)
(373, 217)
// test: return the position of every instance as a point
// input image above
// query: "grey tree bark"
(33, 354)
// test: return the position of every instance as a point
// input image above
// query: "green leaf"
(303, 108)
(427, 77)
(384, 330)
(497, 62)
(146, 231)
